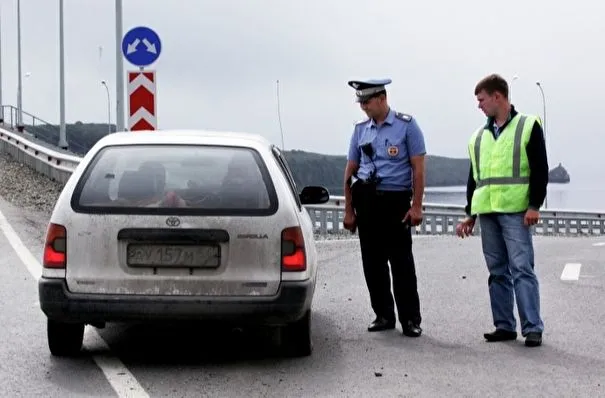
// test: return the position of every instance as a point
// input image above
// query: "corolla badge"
(173, 221)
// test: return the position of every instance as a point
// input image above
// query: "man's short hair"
(491, 84)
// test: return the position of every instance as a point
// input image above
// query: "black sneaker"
(533, 339)
(500, 335)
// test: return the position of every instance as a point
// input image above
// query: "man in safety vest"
(506, 188)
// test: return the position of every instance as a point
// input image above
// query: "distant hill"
(309, 168)
(317, 169)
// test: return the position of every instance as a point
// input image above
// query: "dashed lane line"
(118, 376)
(571, 272)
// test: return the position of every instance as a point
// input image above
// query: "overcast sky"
(221, 58)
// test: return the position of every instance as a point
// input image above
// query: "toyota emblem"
(173, 222)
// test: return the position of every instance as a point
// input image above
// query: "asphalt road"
(450, 359)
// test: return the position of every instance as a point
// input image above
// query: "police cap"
(366, 89)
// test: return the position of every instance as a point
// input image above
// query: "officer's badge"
(392, 151)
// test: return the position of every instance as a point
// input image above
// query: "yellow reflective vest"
(500, 167)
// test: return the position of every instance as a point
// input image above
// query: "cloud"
(221, 60)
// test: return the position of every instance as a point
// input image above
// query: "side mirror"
(313, 195)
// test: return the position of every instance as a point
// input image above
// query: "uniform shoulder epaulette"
(362, 121)
(403, 116)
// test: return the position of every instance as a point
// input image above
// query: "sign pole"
(119, 70)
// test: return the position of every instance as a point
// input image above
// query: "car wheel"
(296, 337)
(64, 339)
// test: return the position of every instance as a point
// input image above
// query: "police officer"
(384, 173)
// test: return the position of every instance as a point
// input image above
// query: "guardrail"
(439, 219)
(53, 164)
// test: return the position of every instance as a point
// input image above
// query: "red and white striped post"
(142, 101)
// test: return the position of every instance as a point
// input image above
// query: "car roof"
(184, 136)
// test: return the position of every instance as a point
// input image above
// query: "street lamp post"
(20, 126)
(1, 103)
(26, 75)
(510, 89)
(119, 69)
(104, 83)
(543, 128)
(62, 128)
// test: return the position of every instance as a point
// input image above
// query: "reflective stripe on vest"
(502, 178)
(516, 177)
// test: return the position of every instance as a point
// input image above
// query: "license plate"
(173, 256)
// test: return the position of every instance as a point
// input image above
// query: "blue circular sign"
(141, 46)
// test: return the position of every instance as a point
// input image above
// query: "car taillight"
(55, 247)
(293, 250)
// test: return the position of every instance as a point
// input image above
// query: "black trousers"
(383, 238)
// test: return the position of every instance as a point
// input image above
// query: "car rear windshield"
(170, 179)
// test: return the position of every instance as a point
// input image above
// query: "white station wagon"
(180, 225)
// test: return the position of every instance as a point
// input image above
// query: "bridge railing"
(439, 219)
(10, 119)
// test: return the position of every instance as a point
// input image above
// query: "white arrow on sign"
(132, 47)
(150, 46)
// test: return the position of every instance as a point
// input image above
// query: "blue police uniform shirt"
(393, 142)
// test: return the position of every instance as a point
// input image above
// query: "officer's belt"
(365, 182)
(356, 180)
(371, 186)
(406, 194)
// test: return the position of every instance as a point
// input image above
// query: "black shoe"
(381, 323)
(500, 335)
(411, 329)
(533, 339)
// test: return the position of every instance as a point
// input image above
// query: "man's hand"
(414, 215)
(465, 228)
(531, 217)
(350, 221)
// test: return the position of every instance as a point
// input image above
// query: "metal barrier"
(53, 164)
(442, 219)
(439, 219)
(10, 118)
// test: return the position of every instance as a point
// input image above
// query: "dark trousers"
(384, 237)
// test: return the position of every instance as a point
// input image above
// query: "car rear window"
(171, 179)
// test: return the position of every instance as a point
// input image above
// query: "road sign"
(142, 101)
(141, 46)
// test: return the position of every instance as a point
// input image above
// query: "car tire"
(64, 339)
(296, 337)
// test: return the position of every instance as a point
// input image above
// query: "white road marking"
(30, 262)
(599, 244)
(120, 379)
(571, 272)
